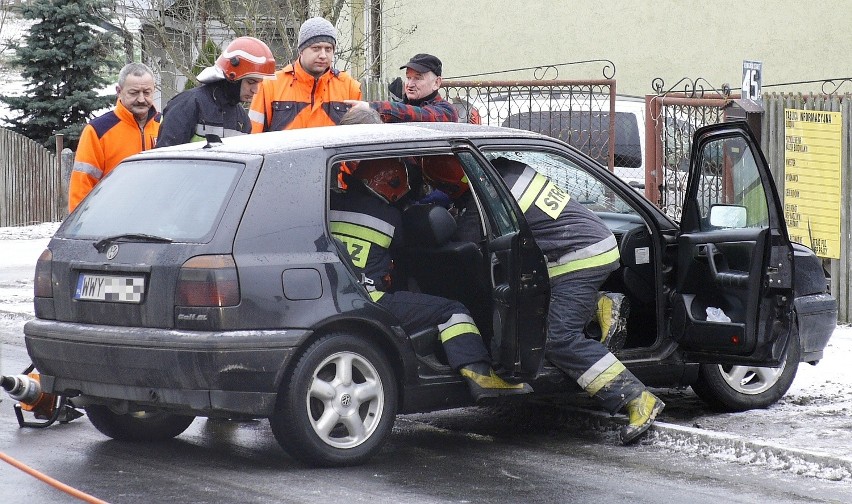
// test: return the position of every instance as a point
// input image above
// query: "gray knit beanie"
(316, 29)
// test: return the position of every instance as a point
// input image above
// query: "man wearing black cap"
(422, 101)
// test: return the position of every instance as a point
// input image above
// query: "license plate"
(110, 288)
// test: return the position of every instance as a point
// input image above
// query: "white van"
(581, 120)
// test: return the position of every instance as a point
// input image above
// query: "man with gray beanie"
(308, 92)
(422, 101)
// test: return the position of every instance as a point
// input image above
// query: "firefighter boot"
(484, 383)
(613, 310)
(641, 413)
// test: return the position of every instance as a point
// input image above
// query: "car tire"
(338, 404)
(742, 388)
(139, 426)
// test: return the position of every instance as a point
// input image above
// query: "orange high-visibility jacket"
(297, 99)
(104, 143)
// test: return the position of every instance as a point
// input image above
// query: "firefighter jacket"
(433, 108)
(297, 99)
(370, 229)
(571, 236)
(106, 141)
(210, 109)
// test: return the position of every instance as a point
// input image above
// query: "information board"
(812, 179)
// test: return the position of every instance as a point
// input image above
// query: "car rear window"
(589, 132)
(178, 199)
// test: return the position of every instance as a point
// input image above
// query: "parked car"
(203, 280)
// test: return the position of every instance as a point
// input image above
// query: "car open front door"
(732, 302)
(518, 276)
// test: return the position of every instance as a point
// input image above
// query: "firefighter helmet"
(446, 174)
(386, 178)
(246, 57)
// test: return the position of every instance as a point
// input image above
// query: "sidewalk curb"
(733, 448)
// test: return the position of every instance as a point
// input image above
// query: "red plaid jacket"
(433, 108)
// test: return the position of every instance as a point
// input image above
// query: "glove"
(436, 197)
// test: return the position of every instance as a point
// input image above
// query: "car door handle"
(732, 279)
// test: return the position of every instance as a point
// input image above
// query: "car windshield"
(179, 200)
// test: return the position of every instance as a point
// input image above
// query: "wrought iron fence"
(580, 113)
(672, 120)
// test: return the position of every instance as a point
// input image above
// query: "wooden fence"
(31, 187)
(772, 144)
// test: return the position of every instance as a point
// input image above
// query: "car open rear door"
(733, 295)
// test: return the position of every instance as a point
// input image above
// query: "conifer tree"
(65, 59)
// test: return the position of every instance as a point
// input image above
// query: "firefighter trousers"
(573, 303)
(459, 335)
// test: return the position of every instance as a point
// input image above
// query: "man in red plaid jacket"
(421, 103)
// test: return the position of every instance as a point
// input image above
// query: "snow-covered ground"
(815, 417)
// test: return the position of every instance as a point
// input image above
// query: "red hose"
(50, 481)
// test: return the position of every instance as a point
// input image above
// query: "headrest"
(427, 225)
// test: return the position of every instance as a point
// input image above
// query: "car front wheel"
(339, 403)
(137, 426)
(741, 388)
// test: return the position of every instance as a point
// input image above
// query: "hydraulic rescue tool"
(26, 389)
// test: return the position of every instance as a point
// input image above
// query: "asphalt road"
(533, 455)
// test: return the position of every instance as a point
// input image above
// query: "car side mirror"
(728, 216)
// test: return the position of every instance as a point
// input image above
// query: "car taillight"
(208, 281)
(44, 275)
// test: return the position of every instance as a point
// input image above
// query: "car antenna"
(212, 141)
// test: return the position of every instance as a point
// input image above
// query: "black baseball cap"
(424, 63)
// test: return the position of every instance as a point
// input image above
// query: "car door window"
(730, 191)
(570, 177)
(503, 220)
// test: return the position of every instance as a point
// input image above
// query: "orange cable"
(50, 481)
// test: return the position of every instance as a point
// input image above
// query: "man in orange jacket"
(308, 92)
(131, 127)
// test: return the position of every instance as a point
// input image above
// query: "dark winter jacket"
(370, 229)
(212, 108)
(571, 236)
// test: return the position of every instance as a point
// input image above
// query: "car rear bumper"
(204, 373)
(817, 319)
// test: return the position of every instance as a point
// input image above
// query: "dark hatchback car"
(203, 280)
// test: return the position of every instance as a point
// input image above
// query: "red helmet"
(445, 173)
(246, 57)
(386, 178)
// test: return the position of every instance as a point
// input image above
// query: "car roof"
(339, 136)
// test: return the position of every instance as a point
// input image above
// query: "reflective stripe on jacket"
(297, 99)
(571, 236)
(369, 228)
(106, 141)
(205, 110)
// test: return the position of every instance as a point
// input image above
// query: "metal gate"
(578, 112)
(670, 122)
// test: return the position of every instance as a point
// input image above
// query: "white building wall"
(646, 39)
